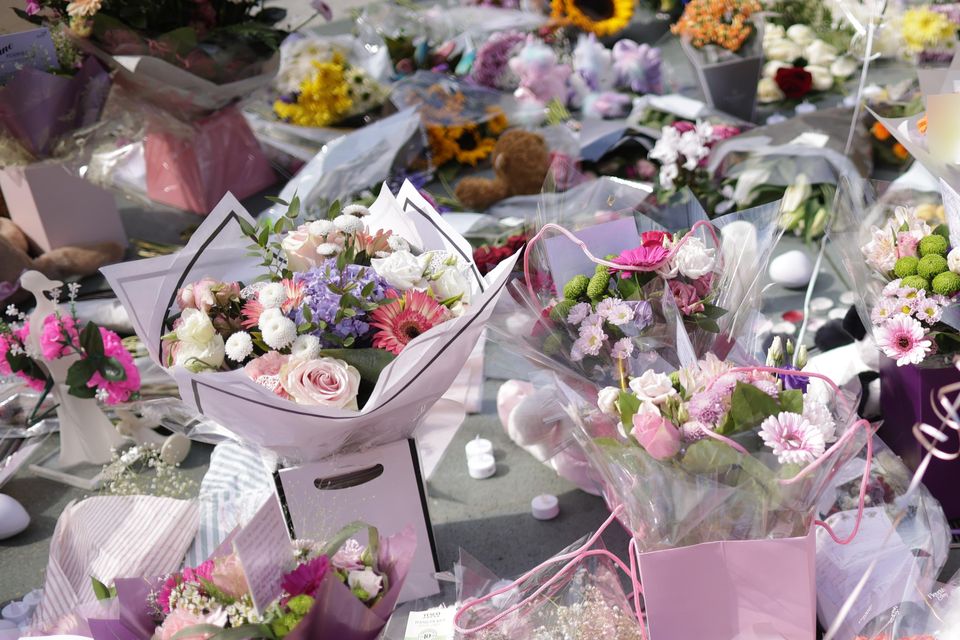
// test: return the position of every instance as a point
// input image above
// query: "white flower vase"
(86, 434)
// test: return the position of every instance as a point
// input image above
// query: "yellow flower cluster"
(923, 28)
(602, 17)
(323, 100)
(725, 23)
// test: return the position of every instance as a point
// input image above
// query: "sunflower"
(443, 143)
(497, 123)
(602, 17)
(471, 146)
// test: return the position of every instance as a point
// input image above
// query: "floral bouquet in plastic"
(301, 589)
(717, 470)
(322, 329)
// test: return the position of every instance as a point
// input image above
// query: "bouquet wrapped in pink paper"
(339, 589)
(310, 340)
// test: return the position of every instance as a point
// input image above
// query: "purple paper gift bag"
(37, 107)
(907, 396)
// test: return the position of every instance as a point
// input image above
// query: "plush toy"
(535, 421)
(541, 77)
(520, 163)
(60, 263)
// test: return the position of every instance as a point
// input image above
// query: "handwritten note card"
(264, 550)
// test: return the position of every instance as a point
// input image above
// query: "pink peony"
(228, 576)
(52, 339)
(656, 434)
(117, 390)
(688, 301)
(177, 621)
(306, 579)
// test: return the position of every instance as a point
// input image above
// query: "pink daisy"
(929, 310)
(401, 321)
(892, 288)
(647, 257)
(884, 310)
(793, 439)
(901, 338)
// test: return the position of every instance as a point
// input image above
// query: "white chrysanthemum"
(357, 210)
(579, 312)
(348, 224)
(306, 347)
(397, 243)
(278, 330)
(328, 249)
(321, 228)
(792, 438)
(272, 296)
(818, 414)
(239, 346)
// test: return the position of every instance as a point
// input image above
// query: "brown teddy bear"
(56, 264)
(520, 161)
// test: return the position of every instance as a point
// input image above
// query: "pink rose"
(906, 244)
(207, 293)
(228, 576)
(656, 434)
(702, 285)
(265, 371)
(300, 248)
(324, 381)
(177, 621)
(688, 301)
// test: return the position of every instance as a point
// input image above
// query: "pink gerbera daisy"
(306, 578)
(401, 321)
(647, 257)
(901, 338)
(793, 439)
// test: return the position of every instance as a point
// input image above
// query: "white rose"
(770, 69)
(450, 284)
(822, 78)
(784, 50)
(768, 91)
(195, 327)
(199, 357)
(801, 34)
(401, 269)
(694, 259)
(773, 32)
(819, 52)
(653, 387)
(366, 580)
(843, 67)
(608, 400)
(300, 248)
(953, 260)
(325, 381)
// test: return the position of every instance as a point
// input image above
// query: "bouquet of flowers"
(326, 324)
(800, 65)
(713, 466)
(682, 152)
(929, 32)
(719, 38)
(319, 84)
(340, 588)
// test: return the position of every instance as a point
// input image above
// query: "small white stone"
(776, 118)
(837, 314)
(820, 304)
(792, 269)
(805, 107)
(815, 324)
(545, 507)
(13, 517)
(848, 298)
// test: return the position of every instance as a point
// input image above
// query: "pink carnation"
(265, 371)
(52, 339)
(117, 390)
(176, 622)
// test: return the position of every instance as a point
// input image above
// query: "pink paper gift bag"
(192, 166)
(732, 590)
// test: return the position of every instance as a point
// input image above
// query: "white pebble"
(820, 304)
(783, 328)
(791, 269)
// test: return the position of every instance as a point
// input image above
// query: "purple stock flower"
(491, 64)
(321, 285)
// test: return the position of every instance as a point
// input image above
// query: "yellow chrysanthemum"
(323, 100)
(923, 29)
(602, 17)
(472, 147)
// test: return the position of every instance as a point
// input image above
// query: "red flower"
(795, 82)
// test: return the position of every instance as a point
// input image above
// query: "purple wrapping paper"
(37, 107)
(337, 612)
(906, 396)
(135, 622)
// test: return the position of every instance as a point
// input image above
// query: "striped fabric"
(109, 537)
(235, 486)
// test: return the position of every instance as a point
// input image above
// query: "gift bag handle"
(613, 265)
